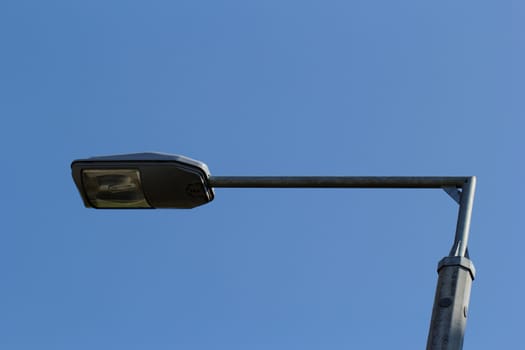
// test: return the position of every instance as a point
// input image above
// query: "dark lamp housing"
(142, 180)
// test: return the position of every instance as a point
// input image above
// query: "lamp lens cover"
(114, 188)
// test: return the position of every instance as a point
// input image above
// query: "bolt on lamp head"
(142, 180)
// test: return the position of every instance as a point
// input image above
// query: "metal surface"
(336, 181)
(147, 157)
(456, 271)
(450, 184)
(449, 315)
(464, 217)
(454, 193)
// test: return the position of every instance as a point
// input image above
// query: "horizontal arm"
(336, 181)
(466, 184)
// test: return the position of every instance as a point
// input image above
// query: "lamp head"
(142, 180)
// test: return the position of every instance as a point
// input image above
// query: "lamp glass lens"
(114, 188)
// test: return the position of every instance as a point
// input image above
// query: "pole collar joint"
(460, 261)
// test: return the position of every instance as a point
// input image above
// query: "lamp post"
(156, 180)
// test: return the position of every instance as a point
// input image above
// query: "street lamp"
(142, 180)
(156, 180)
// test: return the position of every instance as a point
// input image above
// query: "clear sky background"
(259, 88)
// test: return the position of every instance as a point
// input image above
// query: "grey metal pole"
(456, 271)
(464, 216)
(449, 314)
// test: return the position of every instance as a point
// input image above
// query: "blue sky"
(259, 88)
